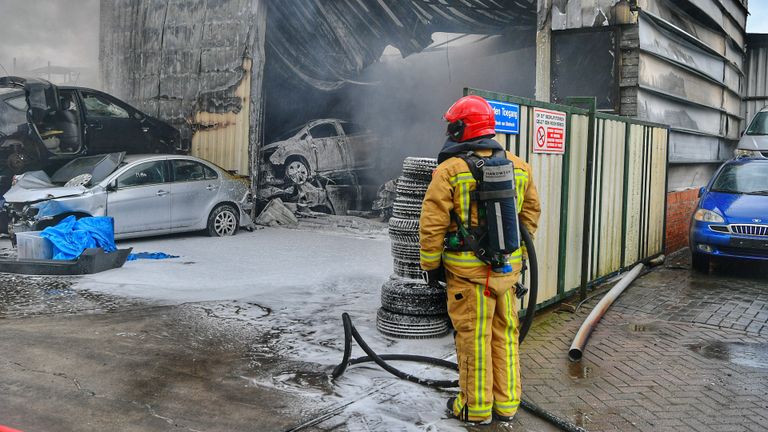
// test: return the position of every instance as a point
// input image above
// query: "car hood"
(275, 145)
(738, 208)
(36, 186)
(753, 142)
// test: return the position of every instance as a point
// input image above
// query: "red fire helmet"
(470, 117)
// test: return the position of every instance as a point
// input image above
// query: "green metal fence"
(607, 186)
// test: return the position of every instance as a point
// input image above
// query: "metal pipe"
(577, 347)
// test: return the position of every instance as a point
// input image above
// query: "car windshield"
(743, 178)
(285, 135)
(759, 125)
(99, 167)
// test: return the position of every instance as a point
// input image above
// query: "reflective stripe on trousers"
(486, 343)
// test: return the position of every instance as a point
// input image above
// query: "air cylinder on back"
(499, 198)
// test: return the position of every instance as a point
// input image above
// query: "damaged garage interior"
(367, 82)
(318, 102)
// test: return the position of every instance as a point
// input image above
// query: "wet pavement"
(657, 360)
(81, 359)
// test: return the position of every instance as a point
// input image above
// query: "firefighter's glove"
(434, 278)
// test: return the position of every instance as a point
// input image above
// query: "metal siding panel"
(577, 180)
(659, 166)
(225, 142)
(634, 194)
(664, 43)
(547, 174)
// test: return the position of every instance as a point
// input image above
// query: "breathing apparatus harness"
(498, 231)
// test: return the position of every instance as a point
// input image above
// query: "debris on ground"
(276, 214)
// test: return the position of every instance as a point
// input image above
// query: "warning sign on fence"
(548, 131)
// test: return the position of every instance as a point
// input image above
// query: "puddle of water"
(642, 327)
(581, 419)
(578, 370)
(753, 355)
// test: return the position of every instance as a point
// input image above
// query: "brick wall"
(680, 207)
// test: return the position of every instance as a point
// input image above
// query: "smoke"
(62, 32)
(406, 107)
(402, 100)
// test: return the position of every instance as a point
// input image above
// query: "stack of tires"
(409, 307)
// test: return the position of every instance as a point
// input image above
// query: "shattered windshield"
(285, 135)
(99, 167)
(749, 178)
(13, 112)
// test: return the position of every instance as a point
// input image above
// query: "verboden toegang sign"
(549, 131)
(507, 117)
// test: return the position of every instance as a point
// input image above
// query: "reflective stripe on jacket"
(450, 190)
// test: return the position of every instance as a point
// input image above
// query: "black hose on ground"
(534, 289)
(350, 332)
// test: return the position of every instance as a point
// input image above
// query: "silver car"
(754, 141)
(145, 194)
(324, 146)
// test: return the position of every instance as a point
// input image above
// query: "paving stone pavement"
(677, 352)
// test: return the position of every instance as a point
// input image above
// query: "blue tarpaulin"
(72, 236)
(150, 255)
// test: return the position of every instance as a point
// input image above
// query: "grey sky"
(64, 32)
(758, 18)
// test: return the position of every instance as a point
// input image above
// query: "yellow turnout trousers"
(487, 329)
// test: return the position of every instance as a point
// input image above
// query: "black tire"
(220, 221)
(411, 326)
(26, 156)
(412, 298)
(419, 169)
(700, 262)
(409, 225)
(407, 269)
(296, 170)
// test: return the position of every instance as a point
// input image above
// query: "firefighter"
(482, 304)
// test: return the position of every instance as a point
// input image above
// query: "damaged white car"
(145, 194)
(325, 147)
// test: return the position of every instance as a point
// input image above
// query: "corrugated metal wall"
(756, 94)
(183, 61)
(222, 138)
(628, 190)
(691, 74)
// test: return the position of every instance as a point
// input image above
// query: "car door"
(359, 145)
(328, 147)
(112, 125)
(194, 191)
(139, 199)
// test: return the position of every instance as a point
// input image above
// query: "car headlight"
(738, 153)
(703, 215)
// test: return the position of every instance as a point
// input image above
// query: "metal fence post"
(591, 104)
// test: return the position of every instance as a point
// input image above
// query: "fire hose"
(350, 333)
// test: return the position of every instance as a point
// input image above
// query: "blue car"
(732, 217)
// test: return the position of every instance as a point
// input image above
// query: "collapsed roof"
(325, 44)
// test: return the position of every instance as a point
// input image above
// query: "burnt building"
(237, 75)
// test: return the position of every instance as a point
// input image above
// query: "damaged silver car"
(145, 194)
(325, 147)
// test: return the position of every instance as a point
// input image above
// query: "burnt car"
(145, 194)
(321, 147)
(44, 126)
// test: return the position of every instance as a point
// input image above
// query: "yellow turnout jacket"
(449, 191)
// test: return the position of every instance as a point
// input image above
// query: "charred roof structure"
(233, 74)
(180, 58)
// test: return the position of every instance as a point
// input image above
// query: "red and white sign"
(548, 131)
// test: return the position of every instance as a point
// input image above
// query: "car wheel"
(297, 170)
(700, 263)
(223, 221)
(24, 156)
